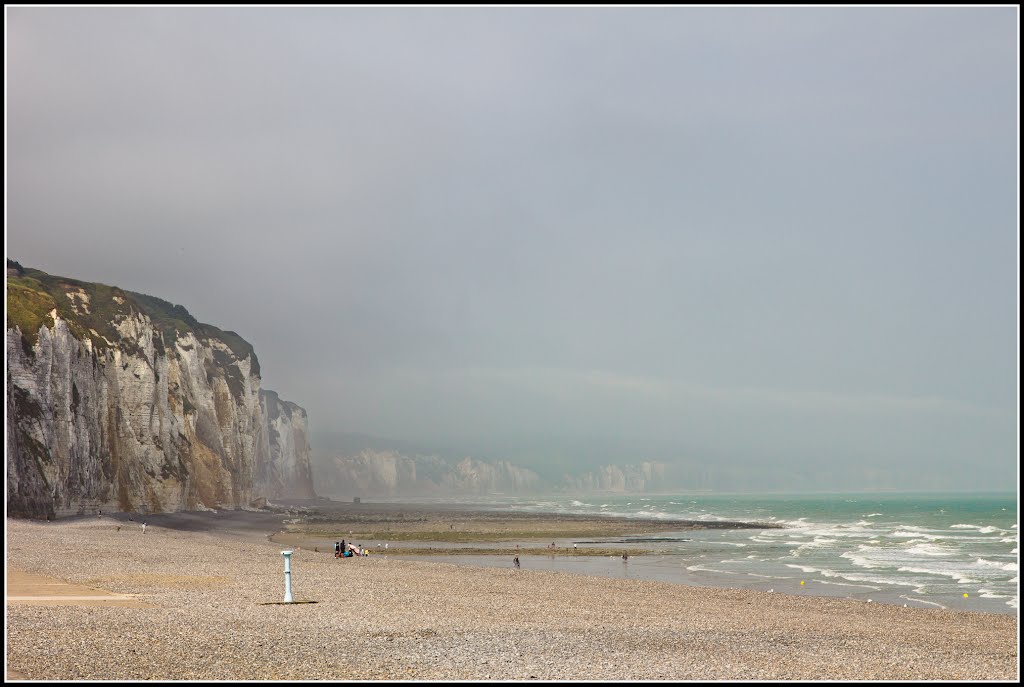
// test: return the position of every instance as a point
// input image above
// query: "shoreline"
(489, 537)
(379, 617)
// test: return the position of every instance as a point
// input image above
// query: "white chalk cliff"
(121, 401)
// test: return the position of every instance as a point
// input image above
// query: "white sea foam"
(817, 543)
(916, 535)
(701, 568)
(860, 577)
(858, 531)
(860, 560)
(931, 550)
(849, 584)
(932, 603)
(872, 515)
(954, 574)
(996, 564)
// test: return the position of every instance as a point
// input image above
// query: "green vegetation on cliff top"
(33, 294)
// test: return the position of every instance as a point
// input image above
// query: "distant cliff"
(123, 401)
(389, 473)
(372, 472)
(646, 476)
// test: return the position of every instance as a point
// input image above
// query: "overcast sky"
(735, 236)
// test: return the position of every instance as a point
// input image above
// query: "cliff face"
(122, 401)
(288, 472)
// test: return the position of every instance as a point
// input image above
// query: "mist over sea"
(920, 549)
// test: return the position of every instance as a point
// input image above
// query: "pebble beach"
(210, 610)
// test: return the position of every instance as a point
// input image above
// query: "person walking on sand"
(515, 561)
(144, 527)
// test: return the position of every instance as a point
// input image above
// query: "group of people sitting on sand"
(340, 551)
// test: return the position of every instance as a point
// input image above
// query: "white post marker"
(288, 576)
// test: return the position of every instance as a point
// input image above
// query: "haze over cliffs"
(123, 401)
(387, 472)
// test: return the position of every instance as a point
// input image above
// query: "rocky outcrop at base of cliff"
(122, 401)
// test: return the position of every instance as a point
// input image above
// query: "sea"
(925, 550)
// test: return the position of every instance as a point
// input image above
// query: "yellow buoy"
(965, 595)
(801, 582)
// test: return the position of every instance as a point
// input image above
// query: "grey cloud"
(680, 230)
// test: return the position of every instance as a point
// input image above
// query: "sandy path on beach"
(43, 590)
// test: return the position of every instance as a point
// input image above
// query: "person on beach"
(625, 557)
(144, 527)
(515, 561)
